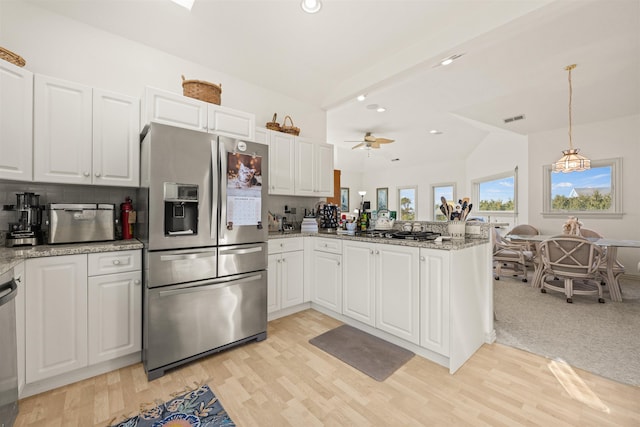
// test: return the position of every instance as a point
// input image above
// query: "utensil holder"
(457, 229)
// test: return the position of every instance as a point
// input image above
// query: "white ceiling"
(514, 51)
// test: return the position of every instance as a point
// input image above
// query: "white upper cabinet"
(16, 122)
(176, 110)
(281, 163)
(84, 136)
(62, 131)
(116, 144)
(313, 168)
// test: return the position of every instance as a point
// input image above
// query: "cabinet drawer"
(114, 262)
(327, 245)
(289, 244)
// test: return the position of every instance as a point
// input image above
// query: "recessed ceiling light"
(311, 6)
(187, 4)
(448, 60)
(361, 97)
(381, 109)
(435, 132)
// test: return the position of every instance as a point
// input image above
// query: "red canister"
(126, 220)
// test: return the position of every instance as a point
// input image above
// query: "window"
(438, 191)
(407, 203)
(594, 192)
(497, 193)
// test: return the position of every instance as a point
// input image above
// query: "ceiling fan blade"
(370, 138)
(358, 146)
(383, 141)
(375, 144)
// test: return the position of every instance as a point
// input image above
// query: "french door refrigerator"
(203, 221)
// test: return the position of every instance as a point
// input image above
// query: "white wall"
(600, 140)
(60, 47)
(501, 152)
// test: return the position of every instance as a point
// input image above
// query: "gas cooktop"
(406, 235)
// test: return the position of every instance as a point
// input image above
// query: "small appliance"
(80, 222)
(28, 230)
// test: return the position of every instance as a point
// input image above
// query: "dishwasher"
(8, 351)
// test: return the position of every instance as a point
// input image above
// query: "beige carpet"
(368, 354)
(599, 338)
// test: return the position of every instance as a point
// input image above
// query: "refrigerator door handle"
(243, 251)
(215, 182)
(194, 255)
(196, 288)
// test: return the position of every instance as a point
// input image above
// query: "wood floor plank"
(285, 381)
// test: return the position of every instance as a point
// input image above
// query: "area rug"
(196, 408)
(599, 338)
(368, 354)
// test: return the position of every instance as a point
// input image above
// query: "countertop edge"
(10, 257)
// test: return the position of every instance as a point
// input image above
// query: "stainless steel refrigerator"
(202, 217)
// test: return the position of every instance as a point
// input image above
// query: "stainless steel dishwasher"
(8, 351)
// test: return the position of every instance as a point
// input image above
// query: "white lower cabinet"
(398, 291)
(381, 287)
(327, 273)
(81, 310)
(56, 316)
(115, 318)
(434, 300)
(358, 282)
(285, 273)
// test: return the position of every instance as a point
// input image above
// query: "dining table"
(611, 246)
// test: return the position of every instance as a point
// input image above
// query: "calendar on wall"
(244, 189)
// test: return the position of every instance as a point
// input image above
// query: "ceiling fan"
(370, 142)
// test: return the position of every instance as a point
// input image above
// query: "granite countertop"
(9, 257)
(447, 245)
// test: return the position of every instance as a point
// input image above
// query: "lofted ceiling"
(513, 58)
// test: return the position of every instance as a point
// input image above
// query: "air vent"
(514, 118)
(397, 160)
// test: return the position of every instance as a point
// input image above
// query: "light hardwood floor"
(286, 381)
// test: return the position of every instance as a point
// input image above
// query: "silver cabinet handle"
(422, 258)
(86, 174)
(338, 262)
(97, 174)
(116, 262)
(377, 252)
(371, 251)
(136, 282)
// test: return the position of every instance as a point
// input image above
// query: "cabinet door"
(16, 123)
(398, 291)
(358, 282)
(116, 143)
(56, 316)
(273, 287)
(292, 279)
(434, 300)
(115, 315)
(324, 170)
(281, 163)
(230, 122)
(19, 276)
(175, 110)
(305, 178)
(62, 131)
(327, 280)
(262, 136)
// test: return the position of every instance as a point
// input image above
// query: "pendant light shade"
(571, 161)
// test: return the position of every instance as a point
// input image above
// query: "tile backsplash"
(60, 193)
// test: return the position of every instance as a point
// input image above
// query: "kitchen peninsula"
(435, 299)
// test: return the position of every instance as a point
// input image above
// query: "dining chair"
(571, 265)
(618, 268)
(516, 257)
(524, 230)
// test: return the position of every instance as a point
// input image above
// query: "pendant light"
(571, 161)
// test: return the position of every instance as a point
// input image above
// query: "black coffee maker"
(28, 230)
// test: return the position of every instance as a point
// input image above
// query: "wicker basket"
(204, 91)
(14, 58)
(273, 125)
(289, 129)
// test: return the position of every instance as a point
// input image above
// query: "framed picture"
(344, 200)
(382, 197)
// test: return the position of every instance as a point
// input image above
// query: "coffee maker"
(28, 230)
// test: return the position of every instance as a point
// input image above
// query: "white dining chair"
(571, 265)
